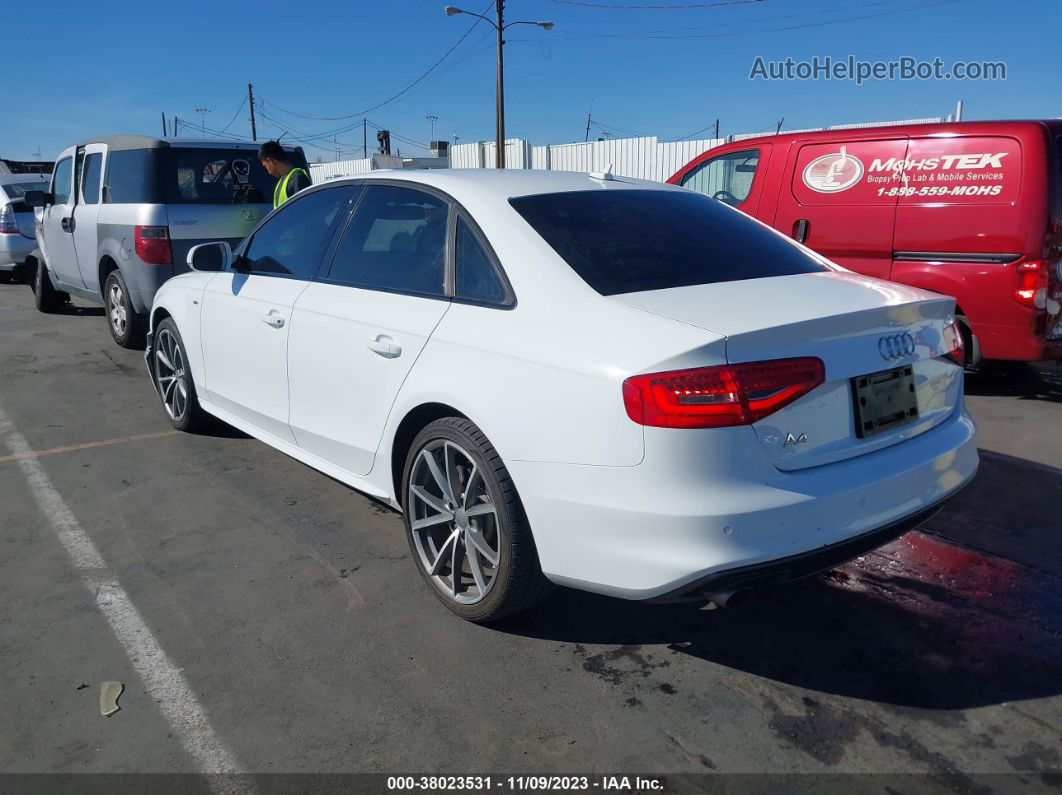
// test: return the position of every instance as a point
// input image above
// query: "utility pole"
(499, 111)
(778, 129)
(164, 124)
(587, 136)
(717, 129)
(176, 130)
(250, 101)
(499, 103)
(364, 138)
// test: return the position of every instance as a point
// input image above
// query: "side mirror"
(38, 198)
(210, 256)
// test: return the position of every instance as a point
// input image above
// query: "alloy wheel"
(116, 309)
(170, 375)
(454, 521)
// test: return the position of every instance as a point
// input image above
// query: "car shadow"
(82, 311)
(964, 613)
(1041, 381)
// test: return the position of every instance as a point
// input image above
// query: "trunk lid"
(856, 325)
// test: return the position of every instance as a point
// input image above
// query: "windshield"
(17, 190)
(624, 241)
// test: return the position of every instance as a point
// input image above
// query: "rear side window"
(396, 242)
(61, 181)
(727, 177)
(130, 177)
(476, 278)
(90, 178)
(17, 190)
(292, 241)
(625, 241)
(215, 176)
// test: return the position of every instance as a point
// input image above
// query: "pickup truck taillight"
(1032, 284)
(153, 245)
(8, 223)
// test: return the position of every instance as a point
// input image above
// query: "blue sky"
(663, 71)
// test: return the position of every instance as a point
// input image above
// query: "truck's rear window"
(625, 241)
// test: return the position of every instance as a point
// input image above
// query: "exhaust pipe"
(734, 598)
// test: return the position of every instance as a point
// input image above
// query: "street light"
(432, 118)
(500, 26)
(202, 115)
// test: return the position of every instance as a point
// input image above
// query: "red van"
(971, 209)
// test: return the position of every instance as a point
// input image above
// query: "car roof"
(123, 141)
(18, 179)
(505, 184)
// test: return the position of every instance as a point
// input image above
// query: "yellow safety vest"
(280, 192)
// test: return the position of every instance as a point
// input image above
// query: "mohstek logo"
(833, 173)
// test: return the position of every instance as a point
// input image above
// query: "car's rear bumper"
(705, 505)
(14, 249)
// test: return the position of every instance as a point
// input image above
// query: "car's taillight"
(953, 344)
(717, 397)
(153, 245)
(1032, 284)
(8, 223)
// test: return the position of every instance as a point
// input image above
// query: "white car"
(609, 384)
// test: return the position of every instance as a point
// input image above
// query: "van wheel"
(466, 526)
(173, 380)
(128, 327)
(46, 297)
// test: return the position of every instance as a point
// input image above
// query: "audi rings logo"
(896, 346)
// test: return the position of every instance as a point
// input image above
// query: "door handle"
(273, 319)
(67, 224)
(385, 347)
(801, 227)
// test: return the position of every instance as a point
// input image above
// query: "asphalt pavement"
(265, 618)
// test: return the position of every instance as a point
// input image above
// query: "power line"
(397, 94)
(234, 115)
(655, 8)
(664, 34)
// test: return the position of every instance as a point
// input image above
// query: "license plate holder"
(884, 400)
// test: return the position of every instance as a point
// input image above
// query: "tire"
(967, 343)
(6, 277)
(515, 581)
(173, 380)
(128, 327)
(46, 297)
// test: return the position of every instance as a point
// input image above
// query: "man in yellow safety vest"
(290, 179)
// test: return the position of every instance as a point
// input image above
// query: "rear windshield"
(192, 175)
(16, 190)
(626, 241)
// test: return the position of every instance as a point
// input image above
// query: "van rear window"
(625, 241)
(190, 175)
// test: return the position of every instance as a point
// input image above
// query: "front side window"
(292, 241)
(90, 178)
(61, 180)
(476, 278)
(396, 241)
(625, 241)
(727, 177)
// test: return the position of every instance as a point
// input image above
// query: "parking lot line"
(162, 679)
(89, 445)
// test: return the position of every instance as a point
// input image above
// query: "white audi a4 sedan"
(609, 384)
